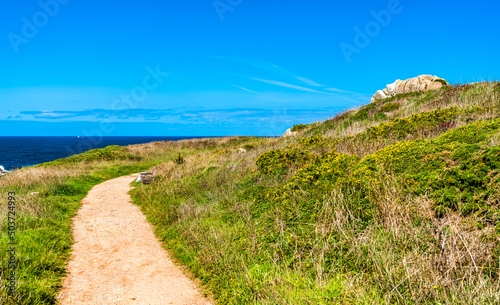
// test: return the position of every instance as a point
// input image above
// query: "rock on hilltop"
(3, 171)
(416, 84)
(289, 133)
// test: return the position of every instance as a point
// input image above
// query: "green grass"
(45, 236)
(110, 153)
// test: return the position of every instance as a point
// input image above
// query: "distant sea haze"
(17, 152)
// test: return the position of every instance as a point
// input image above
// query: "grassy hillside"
(395, 202)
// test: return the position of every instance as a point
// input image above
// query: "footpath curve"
(117, 259)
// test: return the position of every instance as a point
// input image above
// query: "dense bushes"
(298, 127)
(278, 161)
(451, 168)
(388, 107)
(401, 127)
(456, 169)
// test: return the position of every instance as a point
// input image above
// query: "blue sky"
(224, 67)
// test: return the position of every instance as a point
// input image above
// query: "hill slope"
(395, 202)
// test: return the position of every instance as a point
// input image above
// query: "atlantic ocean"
(18, 152)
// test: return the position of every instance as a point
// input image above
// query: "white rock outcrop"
(3, 171)
(417, 84)
(289, 133)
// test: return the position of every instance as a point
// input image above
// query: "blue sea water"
(17, 152)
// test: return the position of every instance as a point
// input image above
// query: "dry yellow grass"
(27, 177)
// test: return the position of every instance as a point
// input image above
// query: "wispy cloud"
(287, 77)
(308, 81)
(225, 117)
(147, 114)
(342, 91)
(286, 85)
(251, 91)
(55, 115)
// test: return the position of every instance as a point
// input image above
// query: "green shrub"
(328, 170)
(388, 107)
(179, 159)
(401, 127)
(316, 142)
(278, 161)
(361, 115)
(380, 116)
(456, 172)
(305, 151)
(298, 127)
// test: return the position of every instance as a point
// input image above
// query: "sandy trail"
(117, 259)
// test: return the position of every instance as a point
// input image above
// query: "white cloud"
(341, 91)
(286, 85)
(308, 81)
(248, 90)
(51, 115)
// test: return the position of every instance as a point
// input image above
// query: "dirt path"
(116, 257)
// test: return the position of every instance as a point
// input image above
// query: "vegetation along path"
(116, 257)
